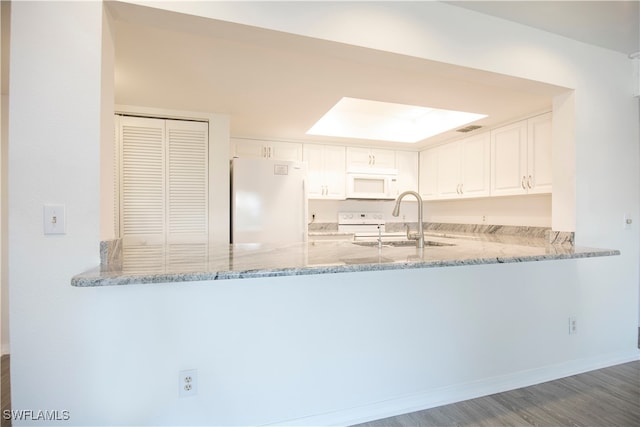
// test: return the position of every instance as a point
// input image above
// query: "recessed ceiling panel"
(387, 121)
(276, 85)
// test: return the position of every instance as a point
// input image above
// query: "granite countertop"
(323, 255)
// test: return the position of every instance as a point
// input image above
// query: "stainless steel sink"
(400, 243)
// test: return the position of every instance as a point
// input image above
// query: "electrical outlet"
(573, 326)
(188, 383)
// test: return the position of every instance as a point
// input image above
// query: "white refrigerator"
(268, 201)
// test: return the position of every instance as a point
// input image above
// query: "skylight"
(384, 121)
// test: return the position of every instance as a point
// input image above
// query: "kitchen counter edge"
(98, 277)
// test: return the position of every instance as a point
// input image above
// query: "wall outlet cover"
(188, 383)
(55, 219)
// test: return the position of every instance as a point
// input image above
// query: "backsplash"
(529, 210)
(562, 238)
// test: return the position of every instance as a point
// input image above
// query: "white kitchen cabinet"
(457, 170)
(275, 150)
(325, 171)
(539, 164)
(428, 174)
(407, 165)
(475, 173)
(509, 159)
(449, 168)
(363, 157)
(521, 157)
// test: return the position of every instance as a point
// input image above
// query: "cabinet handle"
(529, 182)
(461, 189)
(523, 183)
(269, 152)
(373, 156)
(264, 152)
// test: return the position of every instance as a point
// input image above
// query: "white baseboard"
(459, 392)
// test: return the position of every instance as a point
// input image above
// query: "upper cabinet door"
(429, 174)
(521, 157)
(334, 172)
(247, 148)
(449, 172)
(383, 159)
(313, 155)
(456, 170)
(540, 171)
(475, 168)
(326, 171)
(407, 165)
(362, 157)
(509, 159)
(359, 158)
(276, 150)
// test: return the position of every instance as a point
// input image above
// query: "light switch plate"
(54, 219)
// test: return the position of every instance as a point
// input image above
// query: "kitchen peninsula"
(323, 254)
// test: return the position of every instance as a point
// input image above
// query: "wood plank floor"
(5, 389)
(608, 397)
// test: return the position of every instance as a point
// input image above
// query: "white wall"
(54, 152)
(564, 173)
(107, 134)
(345, 347)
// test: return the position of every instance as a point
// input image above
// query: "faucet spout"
(396, 212)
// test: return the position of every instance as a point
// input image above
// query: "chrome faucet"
(396, 211)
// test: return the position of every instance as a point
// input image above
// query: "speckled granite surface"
(326, 256)
(111, 253)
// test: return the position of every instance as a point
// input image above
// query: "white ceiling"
(611, 24)
(277, 85)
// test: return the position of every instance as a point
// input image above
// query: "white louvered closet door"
(163, 190)
(187, 191)
(142, 196)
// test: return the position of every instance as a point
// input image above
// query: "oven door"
(371, 186)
